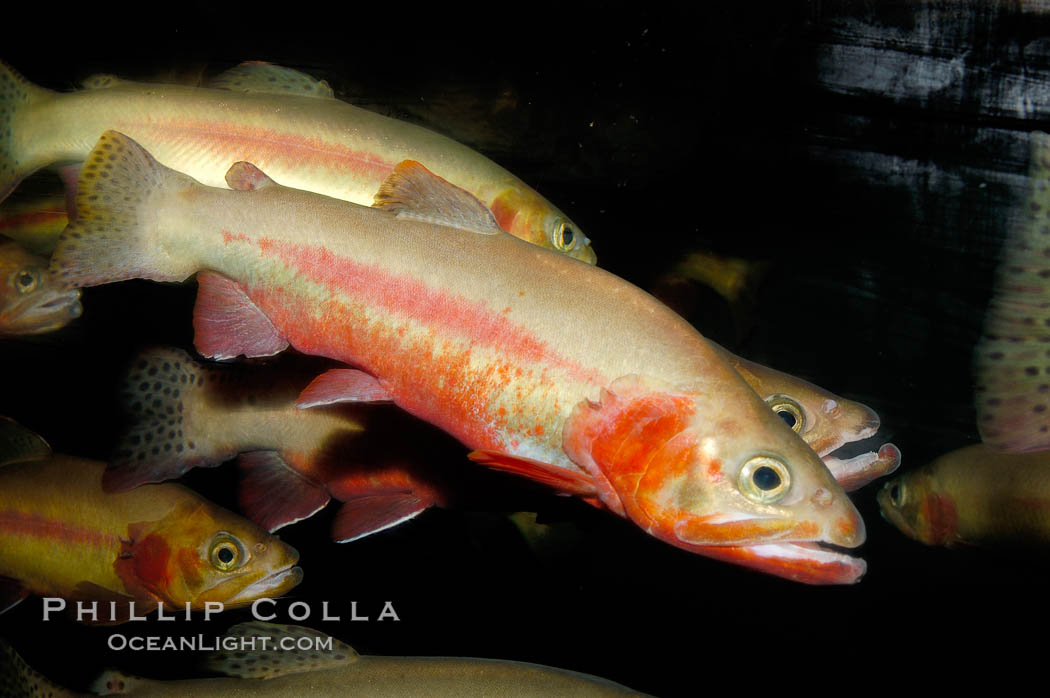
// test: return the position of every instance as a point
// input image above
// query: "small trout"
(158, 545)
(30, 303)
(976, 495)
(275, 117)
(612, 396)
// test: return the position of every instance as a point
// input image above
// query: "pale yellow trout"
(277, 118)
(611, 397)
(291, 660)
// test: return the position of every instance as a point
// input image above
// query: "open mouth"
(853, 472)
(809, 563)
(37, 317)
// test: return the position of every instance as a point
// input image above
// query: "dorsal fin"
(414, 192)
(260, 76)
(18, 444)
(100, 81)
(270, 658)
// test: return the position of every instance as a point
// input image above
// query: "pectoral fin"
(227, 324)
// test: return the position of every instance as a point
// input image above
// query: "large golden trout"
(543, 365)
(279, 119)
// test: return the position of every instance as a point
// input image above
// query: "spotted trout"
(610, 396)
(278, 118)
(62, 536)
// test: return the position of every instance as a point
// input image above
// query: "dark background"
(871, 151)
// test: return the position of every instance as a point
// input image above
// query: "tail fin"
(160, 392)
(115, 234)
(16, 95)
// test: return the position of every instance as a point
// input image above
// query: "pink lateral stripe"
(446, 311)
(24, 524)
(252, 144)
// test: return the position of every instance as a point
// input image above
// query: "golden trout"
(976, 495)
(277, 118)
(30, 302)
(612, 396)
(290, 660)
(159, 545)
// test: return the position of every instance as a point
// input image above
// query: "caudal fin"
(17, 95)
(162, 392)
(116, 234)
(19, 679)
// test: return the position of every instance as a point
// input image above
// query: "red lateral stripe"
(448, 312)
(260, 145)
(25, 524)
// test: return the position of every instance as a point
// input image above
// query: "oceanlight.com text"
(211, 643)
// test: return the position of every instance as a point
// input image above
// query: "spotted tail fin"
(17, 96)
(117, 233)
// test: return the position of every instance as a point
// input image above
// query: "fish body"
(30, 302)
(537, 362)
(62, 536)
(977, 495)
(292, 127)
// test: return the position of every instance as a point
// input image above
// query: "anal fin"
(363, 516)
(227, 324)
(272, 494)
(560, 479)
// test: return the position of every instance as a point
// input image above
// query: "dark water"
(659, 132)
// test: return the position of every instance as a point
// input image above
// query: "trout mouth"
(808, 563)
(272, 586)
(43, 313)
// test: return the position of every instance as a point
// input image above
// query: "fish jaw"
(807, 563)
(46, 311)
(658, 462)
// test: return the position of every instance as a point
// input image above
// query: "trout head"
(719, 477)
(525, 214)
(915, 505)
(202, 553)
(30, 302)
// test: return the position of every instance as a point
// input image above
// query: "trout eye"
(226, 552)
(896, 492)
(26, 280)
(765, 479)
(789, 411)
(564, 236)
